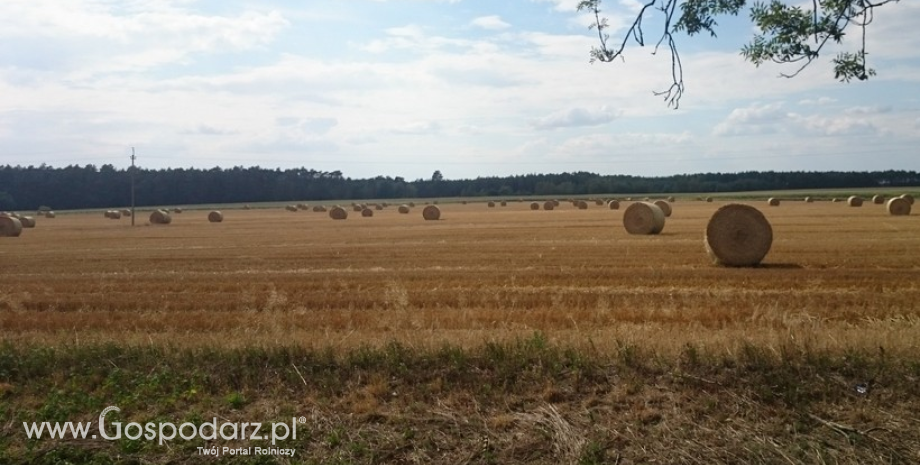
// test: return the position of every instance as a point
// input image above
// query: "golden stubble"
(837, 278)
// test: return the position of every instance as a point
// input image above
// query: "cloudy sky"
(406, 87)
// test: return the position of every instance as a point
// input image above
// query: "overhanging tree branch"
(786, 30)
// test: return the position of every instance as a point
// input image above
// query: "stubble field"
(836, 277)
(495, 335)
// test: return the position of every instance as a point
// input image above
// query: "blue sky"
(407, 87)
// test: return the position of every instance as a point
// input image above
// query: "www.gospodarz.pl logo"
(167, 431)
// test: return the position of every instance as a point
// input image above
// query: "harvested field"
(506, 337)
(485, 275)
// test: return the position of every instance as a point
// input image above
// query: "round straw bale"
(177, 210)
(126, 212)
(835, 200)
(463, 202)
(534, 205)
(338, 213)
(709, 199)
(555, 203)
(613, 204)
(643, 218)
(15, 215)
(160, 217)
(878, 199)
(115, 215)
(431, 213)
(908, 198)
(549, 205)
(671, 199)
(599, 202)
(412, 204)
(358, 208)
(809, 200)
(378, 207)
(773, 202)
(27, 221)
(403, 209)
(504, 203)
(10, 227)
(49, 214)
(291, 208)
(896, 207)
(665, 207)
(215, 216)
(491, 204)
(738, 235)
(246, 207)
(319, 209)
(855, 201)
(108, 213)
(582, 205)
(367, 213)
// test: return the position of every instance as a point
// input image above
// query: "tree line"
(89, 186)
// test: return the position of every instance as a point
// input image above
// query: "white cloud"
(492, 23)
(562, 5)
(575, 117)
(418, 128)
(754, 119)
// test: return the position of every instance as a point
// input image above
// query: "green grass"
(526, 401)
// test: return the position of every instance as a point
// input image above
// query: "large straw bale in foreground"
(10, 227)
(431, 213)
(643, 218)
(160, 217)
(215, 217)
(338, 213)
(898, 206)
(738, 235)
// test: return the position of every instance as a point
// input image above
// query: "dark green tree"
(788, 33)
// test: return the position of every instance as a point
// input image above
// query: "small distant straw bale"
(403, 209)
(671, 199)
(115, 215)
(160, 217)
(809, 200)
(855, 201)
(27, 221)
(49, 214)
(665, 207)
(319, 209)
(412, 204)
(534, 205)
(291, 208)
(549, 205)
(613, 204)
(378, 207)
(367, 213)
(431, 213)
(504, 203)
(709, 199)
(491, 204)
(582, 205)
(358, 208)
(215, 217)
(896, 207)
(773, 202)
(878, 199)
(126, 212)
(338, 213)
(177, 210)
(10, 227)
(643, 218)
(738, 235)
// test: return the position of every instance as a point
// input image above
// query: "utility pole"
(132, 186)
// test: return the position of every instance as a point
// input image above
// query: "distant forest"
(90, 186)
